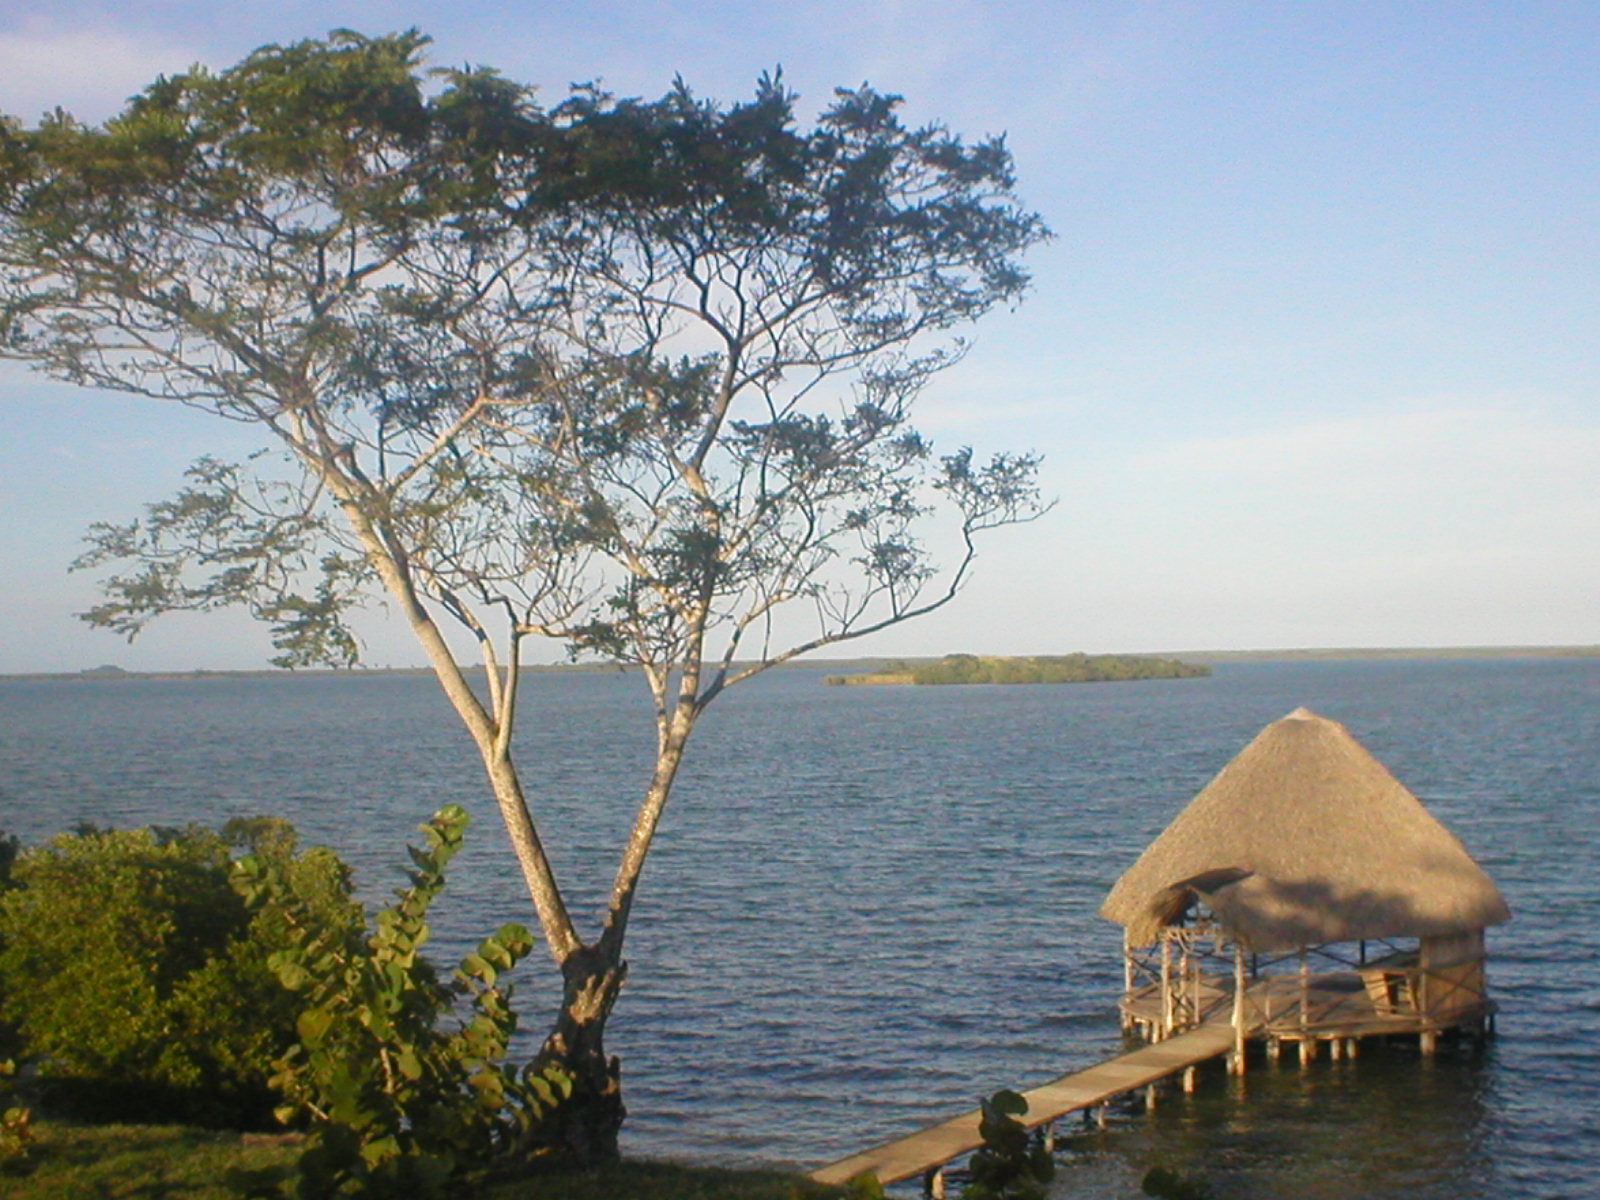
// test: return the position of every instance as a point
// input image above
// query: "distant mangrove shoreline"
(1043, 668)
(869, 665)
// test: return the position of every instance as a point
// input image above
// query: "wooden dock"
(928, 1151)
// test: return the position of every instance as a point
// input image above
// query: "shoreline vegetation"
(854, 666)
(1052, 668)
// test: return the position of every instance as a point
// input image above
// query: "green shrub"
(1012, 1163)
(400, 1103)
(16, 1122)
(9, 848)
(138, 979)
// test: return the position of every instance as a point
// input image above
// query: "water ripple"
(869, 906)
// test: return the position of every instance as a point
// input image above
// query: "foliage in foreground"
(120, 1162)
(399, 1104)
(10, 847)
(16, 1122)
(137, 979)
(1012, 1163)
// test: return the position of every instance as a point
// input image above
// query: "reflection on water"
(868, 907)
(1388, 1124)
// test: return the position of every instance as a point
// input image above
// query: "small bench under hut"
(1305, 896)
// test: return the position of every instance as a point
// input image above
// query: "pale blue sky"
(1313, 360)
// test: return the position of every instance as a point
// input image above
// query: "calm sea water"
(869, 906)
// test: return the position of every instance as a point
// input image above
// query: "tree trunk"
(587, 1125)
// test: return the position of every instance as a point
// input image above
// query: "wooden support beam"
(1193, 963)
(933, 1184)
(1305, 999)
(1238, 1062)
(1166, 987)
(1189, 1076)
(1127, 981)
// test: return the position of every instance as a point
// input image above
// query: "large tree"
(635, 376)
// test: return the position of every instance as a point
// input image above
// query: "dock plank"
(931, 1148)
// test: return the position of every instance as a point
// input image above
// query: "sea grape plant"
(398, 1103)
(1013, 1163)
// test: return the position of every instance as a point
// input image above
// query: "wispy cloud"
(88, 70)
(1485, 449)
(1490, 499)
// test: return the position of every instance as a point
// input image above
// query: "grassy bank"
(125, 1162)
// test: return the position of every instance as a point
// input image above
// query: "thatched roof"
(1305, 839)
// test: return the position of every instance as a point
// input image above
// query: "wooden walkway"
(931, 1149)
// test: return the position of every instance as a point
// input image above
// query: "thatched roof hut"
(1305, 839)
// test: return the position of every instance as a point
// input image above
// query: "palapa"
(1305, 839)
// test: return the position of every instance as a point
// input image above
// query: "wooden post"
(1336, 1048)
(1429, 1041)
(1305, 997)
(1189, 1074)
(933, 1183)
(1238, 1009)
(1049, 1137)
(1166, 987)
(1100, 1116)
(1194, 990)
(1308, 1050)
(1150, 1098)
(1127, 981)
(1350, 1046)
(1274, 1046)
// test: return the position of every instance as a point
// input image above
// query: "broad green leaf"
(313, 1024)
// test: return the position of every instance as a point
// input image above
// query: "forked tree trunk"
(587, 1125)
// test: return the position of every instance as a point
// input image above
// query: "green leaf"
(408, 1063)
(380, 1149)
(313, 1024)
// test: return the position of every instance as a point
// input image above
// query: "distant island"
(879, 670)
(1043, 668)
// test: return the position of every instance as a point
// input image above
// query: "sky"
(1313, 360)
